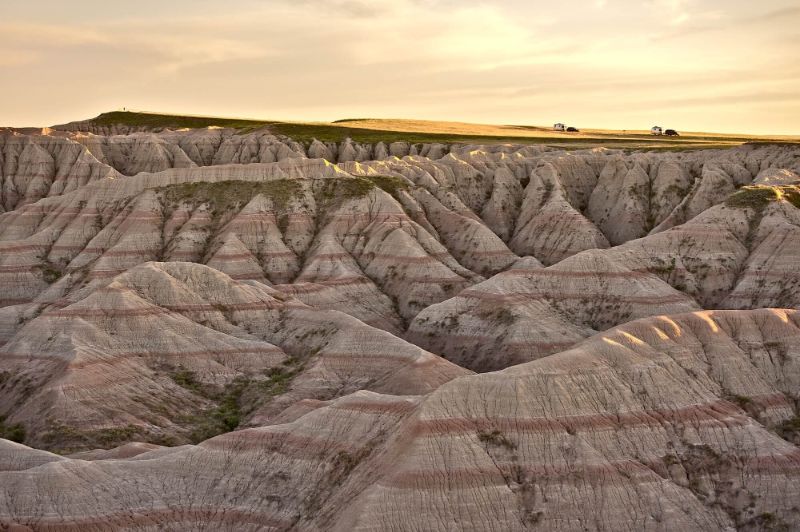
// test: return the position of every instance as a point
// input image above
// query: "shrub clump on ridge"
(224, 196)
(757, 197)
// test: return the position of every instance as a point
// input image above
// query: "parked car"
(656, 130)
(558, 127)
(671, 133)
(573, 130)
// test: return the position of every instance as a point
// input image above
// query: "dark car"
(671, 133)
(573, 130)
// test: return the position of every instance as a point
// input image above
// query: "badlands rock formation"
(652, 425)
(147, 353)
(221, 329)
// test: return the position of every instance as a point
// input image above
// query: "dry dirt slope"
(169, 286)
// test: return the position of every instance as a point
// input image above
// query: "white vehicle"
(656, 130)
(559, 127)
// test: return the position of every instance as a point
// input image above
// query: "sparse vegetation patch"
(234, 401)
(187, 379)
(757, 197)
(391, 184)
(224, 196)
(789, 430)
(14, 432)
(497, 439)
(279, 378)
(224, 417)
(65, 439)
(333, 191)
(50, 273)
(499, 315)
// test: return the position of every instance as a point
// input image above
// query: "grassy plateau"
(368, 130)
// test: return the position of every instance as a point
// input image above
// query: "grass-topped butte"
(373, 131)
(306, 133)
(156, 121)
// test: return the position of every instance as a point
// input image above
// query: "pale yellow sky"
(702, 65)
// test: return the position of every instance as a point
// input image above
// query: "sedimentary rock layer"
(430, 228)
(165, 347)
(668, 422)
(231, 330)
(737, 255)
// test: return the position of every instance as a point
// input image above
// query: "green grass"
(225, 416)
(333, 190)
(499, 315)
(755, 197)
(391, 184)
(338, 131)
(305, 133)
(224, 196)
(742, 400)
(154, 120)
(231, 404)
(663, 267)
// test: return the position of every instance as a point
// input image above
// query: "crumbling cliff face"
(241, 331)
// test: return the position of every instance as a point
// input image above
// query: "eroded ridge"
(670, 421)
(233, 329)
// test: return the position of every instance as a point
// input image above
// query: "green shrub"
(187, 379)
(65, 439)
(790, 430)
(497, 439)
(15, 432)
(391, 184)
(50, 274)
(755, 197)
(224, 417)
(279, 378)
(231, 402)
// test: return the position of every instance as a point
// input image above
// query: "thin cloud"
(721, 23)
(605, 62)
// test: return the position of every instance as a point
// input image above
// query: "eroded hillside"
(301, 322)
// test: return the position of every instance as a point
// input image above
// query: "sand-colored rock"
(526, 313)
(148, 353)
(158, 288)
(36, 166)
(631, 429)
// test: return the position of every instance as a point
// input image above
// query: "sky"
(691, 65)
